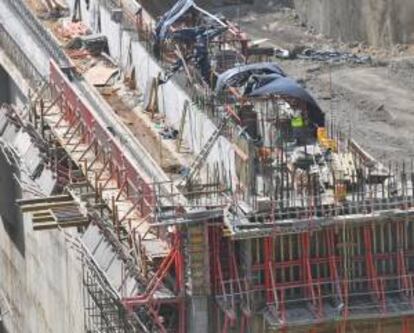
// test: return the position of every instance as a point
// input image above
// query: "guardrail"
(72, 104)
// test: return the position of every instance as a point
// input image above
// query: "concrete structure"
(40, 277)
(251, 214)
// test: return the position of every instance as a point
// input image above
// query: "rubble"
(94, 44)
(70, 30)
(333, 57)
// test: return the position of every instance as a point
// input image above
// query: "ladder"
(205, 151)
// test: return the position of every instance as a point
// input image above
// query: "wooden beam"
(42, 213)
(41, 219)
(45, 205)
(55, 198)
(55, 225)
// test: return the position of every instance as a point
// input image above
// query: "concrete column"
(198, 315)
(198, 282)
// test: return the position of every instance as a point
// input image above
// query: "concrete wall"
(9, 92)
(40, 279)
(378, 22)
(4, 86)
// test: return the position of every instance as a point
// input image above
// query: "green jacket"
(297, 122)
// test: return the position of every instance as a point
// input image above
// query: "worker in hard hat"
(298, 126)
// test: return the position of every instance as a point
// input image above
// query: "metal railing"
(334, 300)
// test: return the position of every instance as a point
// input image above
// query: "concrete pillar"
(198, 279)
(198, 315)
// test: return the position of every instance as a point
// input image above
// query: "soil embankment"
(377, 22)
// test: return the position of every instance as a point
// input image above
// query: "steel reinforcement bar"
(139, 161)
(74, 107)
(340, 273)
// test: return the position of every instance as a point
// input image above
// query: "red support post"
(373, 281)
(307, 271)
(226, 324)
(401, 265)
(282, 307)
(333, 269)
(405, 325)
(180, 282)
(267, 260)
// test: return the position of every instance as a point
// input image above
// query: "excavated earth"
(374, 102)
(379, 22)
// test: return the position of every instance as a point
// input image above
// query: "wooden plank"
(55, 198)
(54, 225)
(42, 213)
(45, 205)
(36, 220)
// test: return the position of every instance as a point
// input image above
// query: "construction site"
(206, 166)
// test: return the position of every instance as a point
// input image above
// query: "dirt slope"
(378, 22)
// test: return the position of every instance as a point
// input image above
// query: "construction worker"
(298, 126)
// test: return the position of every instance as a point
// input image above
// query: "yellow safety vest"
(297, 122)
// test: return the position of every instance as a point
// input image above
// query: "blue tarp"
(170, 17)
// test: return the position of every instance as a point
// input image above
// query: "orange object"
(324, 140)
(340, 192)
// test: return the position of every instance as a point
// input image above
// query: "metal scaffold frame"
(88, 159)
(103, 311)
(333, 275)
(332, 270)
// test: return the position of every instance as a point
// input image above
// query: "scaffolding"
(103, 310)
(274, 253)
(115, 197)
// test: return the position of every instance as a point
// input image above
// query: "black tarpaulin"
(238, 76)
(192, 34)
(289, 88)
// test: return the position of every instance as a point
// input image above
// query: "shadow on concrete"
(10, 214)
(2, 328)
(4, 86)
